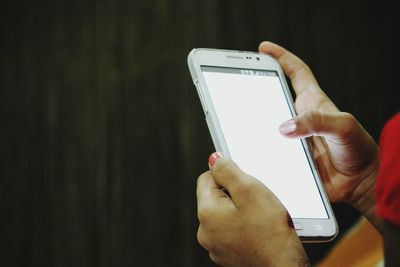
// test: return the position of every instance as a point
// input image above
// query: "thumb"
(335, 126)
(229, 176)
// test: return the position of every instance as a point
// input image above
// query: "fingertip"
(225, 171)
(266, 44)
(213, 158)
(297, 127)
(262, 45)
(271, 48)
(288, 127)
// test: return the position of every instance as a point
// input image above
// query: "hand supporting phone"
(245, 98)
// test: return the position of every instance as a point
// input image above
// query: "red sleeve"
(387, 191)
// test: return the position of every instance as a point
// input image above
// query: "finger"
(216, 259)
(207, 241)
(349, 146)
(203, 238)
(335, 126)
(207, 190)
(211, 200)
(299, 73)
(240, 185)
(226, 174)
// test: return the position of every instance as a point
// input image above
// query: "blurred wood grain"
(102, 134)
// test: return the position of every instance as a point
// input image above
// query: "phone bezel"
(313, 230)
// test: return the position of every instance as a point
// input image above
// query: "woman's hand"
(345, 154)
(244, 224)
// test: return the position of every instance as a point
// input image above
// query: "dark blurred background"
(103, 136)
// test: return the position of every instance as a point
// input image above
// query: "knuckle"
(316, 117)
(227, 170)
(219, 261)
(350, 119)
(345, 195)
(350, 124)
(206, 240)
(201, 178)
(314, 120)
(249, 188)
(301, 67)
(224, 166)
(202, 239)
(207, 215)
(202, 214)
(250, 184)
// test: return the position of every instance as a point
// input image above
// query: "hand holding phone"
(245, 98)
(346, 155)
(251, 227)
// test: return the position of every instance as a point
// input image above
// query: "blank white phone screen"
(250, 105)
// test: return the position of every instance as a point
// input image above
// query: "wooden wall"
(102, 135)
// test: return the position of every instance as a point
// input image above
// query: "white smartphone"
(245, 98)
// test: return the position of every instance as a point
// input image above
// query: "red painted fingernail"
(213, 158)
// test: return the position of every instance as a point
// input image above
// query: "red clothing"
(387, 192)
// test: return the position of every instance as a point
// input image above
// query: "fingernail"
(288, 127)
(213, 158)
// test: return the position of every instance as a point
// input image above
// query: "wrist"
(363, 197)
(290, 253)
(296, 257)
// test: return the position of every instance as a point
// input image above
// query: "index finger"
(299, 73)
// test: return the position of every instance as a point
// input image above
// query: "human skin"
(244, 224)
(256, 232)
(345, 154)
